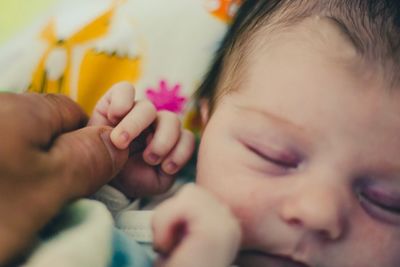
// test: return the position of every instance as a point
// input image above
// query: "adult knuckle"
(58, 103)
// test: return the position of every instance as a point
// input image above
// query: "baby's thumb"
(86, 160)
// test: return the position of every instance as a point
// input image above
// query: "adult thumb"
(84, 160)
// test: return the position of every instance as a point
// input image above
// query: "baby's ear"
(204, 111)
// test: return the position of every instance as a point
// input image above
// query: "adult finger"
(57, 114)
(84, 160)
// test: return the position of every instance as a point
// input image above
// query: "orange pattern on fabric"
(226, 9)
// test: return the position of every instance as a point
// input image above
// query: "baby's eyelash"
(389, 207)
(284, 163)
(384, 210)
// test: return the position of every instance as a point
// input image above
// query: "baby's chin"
(262, 259)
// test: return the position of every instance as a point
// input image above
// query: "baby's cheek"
(383, 249)
(367, 243)
(246, 222)
(247, 216)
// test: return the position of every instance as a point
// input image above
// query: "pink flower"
(166, 98)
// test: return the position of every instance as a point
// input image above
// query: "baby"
(298, 160)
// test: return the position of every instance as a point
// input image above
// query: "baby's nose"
(317, 209)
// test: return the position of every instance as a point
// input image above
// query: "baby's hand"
(193, 229)
(159, 147)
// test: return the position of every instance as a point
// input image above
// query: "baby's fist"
(194, 229)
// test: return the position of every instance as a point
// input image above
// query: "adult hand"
(46, 160)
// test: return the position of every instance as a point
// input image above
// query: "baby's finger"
(168, 223)
(138, 119)
(180, 154)
(113, 105)
(175, 216)
(167, 134)
(99, 114)
(121, 98)
(189, 224)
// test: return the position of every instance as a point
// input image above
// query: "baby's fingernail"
(124, 137)
(171, 168)
(153, 158)
(120, 139)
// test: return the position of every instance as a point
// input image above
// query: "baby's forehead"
(317, 34)
(329, 38)
(313, 37)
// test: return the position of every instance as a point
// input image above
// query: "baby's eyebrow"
(284, 122)
(299, 134)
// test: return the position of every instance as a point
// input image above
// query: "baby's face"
(307, 155)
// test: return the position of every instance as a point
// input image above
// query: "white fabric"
(137, 224)
(86, 242)
(115, 201)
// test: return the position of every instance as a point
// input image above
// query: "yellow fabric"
(92, 82)
(164, 51)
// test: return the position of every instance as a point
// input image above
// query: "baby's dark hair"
(372, 26)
